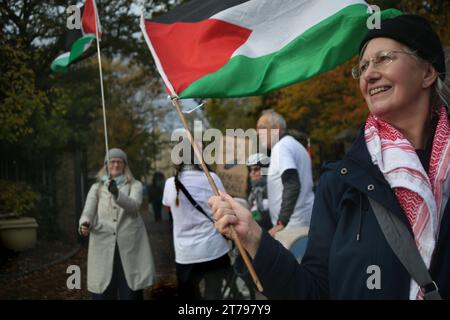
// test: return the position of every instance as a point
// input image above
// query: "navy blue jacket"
(345, 240)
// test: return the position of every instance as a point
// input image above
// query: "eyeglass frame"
(118, 162)
(356, 73)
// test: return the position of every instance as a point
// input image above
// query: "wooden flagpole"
(175, 101)
(234, 235)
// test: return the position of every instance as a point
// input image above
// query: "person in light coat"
(120, 261)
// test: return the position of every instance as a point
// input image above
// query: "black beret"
(416, 33)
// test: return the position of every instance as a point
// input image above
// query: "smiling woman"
(398, 167)
(398, 90)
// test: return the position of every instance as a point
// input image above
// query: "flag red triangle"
(89, 16)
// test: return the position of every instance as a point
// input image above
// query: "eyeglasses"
(118, 162)
(255, 169)
(380, 60)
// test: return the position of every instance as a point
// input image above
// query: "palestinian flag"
(233, 48)
(77, 41)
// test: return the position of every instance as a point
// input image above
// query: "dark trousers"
(118, 288)
(157, 209)
(212, 272)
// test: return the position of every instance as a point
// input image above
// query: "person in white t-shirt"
(289, 179)
(201, 252)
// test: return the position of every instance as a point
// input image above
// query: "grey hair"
(275, 118)
(442, 87)
(440, 93)
(127, 173)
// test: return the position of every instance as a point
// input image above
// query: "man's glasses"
(255, 169)
(382, 59)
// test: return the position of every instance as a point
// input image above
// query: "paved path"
(161, 242)
(50, 282)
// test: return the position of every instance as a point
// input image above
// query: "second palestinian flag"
(233, 48)
(77, 41)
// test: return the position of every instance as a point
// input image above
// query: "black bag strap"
(404, 247)
(191, 200)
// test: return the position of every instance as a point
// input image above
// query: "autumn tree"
(233, 113)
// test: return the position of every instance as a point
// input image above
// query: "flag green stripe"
(78, 48)
(301, 59)
(61, 62)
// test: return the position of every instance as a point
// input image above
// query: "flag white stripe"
(64, 55)
(99, 26)
(270, 32)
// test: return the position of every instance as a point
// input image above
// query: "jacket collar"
(359, 171)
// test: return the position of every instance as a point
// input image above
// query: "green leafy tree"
(19, 97)
(44, 115)
(133, 116)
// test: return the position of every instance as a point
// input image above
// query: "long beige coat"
(117, 221)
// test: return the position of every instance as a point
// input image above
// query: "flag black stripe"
(197, 10)
(73, 35)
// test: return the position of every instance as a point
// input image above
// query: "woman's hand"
(84, 228)
(228, 212)
(112, 187)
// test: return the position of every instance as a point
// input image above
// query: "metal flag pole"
(234, 236)
(101, 86)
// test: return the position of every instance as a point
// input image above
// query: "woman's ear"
(430, 76)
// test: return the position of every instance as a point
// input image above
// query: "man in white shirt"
(289, 180)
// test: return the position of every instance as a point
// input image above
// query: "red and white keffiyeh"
(422, 196)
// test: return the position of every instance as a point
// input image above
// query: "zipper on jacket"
(358, 235)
